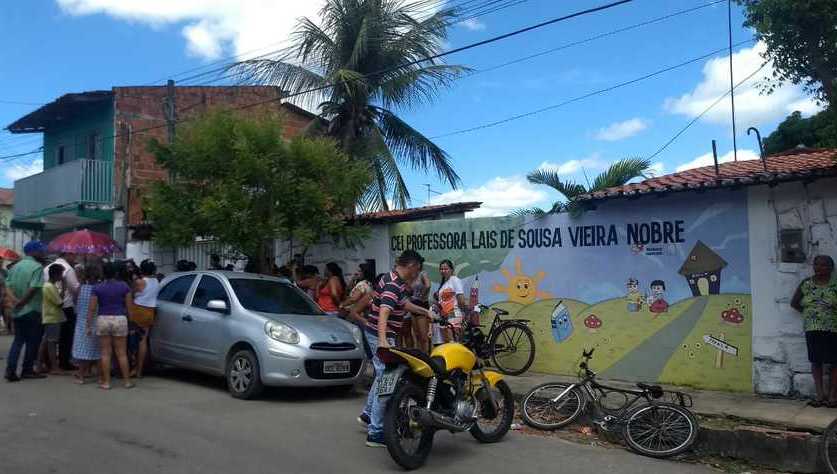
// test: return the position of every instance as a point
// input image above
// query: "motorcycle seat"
(436, 363)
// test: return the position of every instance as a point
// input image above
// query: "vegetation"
(817, 131)
(237, 180)
(801, 41)
(364, 57)
(617, 174)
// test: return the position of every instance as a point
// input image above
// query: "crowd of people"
(78, 316)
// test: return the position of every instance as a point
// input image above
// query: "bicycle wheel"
(828, 448)
(543, 409)
(512, 348)
(660, 430)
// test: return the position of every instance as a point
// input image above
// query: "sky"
(62, 46)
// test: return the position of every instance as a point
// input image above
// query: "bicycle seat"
(655, 390)
(501, 312)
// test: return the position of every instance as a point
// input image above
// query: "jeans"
(27, 333)
(65, 344)
(375, 406)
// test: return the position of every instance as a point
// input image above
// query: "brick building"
(97, 166)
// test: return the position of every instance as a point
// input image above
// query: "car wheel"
(244, 379)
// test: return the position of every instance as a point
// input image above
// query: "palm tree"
(364, 55)
(617, 174)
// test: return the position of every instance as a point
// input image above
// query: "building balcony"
(75, 194)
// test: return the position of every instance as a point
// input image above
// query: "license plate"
(336, 367)
(388, 381)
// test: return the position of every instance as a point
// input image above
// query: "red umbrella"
(84, 242)
(8, 254)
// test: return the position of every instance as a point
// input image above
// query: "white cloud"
(707, 160)
(499, 196)
(593, 162)
(472, 24)
(19, 171)
(210, 27)
(751, 106)
(621, 130)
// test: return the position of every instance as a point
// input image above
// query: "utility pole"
(170, 110)
(731, 86)
(430, 192)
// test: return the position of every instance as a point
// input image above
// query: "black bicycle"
(509, 344)
(828, 450)
(649, 426)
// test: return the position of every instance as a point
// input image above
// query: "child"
(85, 345)
(53, 316)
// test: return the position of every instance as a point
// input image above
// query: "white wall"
(780, 365)
(375, 245)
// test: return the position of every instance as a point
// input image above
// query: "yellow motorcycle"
(448, 390)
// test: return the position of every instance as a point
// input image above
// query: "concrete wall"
(780, 365)
(374, 246)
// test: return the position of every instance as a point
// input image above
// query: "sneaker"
(363, 419)
(12, 377)
(375, 442)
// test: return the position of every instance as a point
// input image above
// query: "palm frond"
(620, 173)
(551, 178)
(417, 85)
(528, 211)
(407, 143)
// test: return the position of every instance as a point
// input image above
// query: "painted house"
(97, 167)
(10, 237)
(739, 241)
(702, 269)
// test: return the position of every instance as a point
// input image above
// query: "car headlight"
(358, 335)
(281, 332)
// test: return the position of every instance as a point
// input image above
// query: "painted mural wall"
(661, 288)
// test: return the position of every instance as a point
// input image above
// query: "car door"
(166, 344)
(205, 331)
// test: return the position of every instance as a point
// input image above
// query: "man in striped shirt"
(390, 302)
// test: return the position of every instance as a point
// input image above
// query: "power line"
(19, 103)
(705, 111)
(410, 63)
(585, 96)
(18, 155)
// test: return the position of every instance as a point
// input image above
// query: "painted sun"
(521, 288)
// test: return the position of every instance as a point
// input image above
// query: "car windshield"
(270, 296)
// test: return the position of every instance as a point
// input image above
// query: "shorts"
(142, 316)
(52, 332)
(822, 347)
(112, 325)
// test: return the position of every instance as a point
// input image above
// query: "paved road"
(179, 422)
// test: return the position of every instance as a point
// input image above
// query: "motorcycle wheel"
(407, 441)
(492, 430)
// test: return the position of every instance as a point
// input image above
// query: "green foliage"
(617, 174)
(345, 55)
(817, 131)
(236, 179)
(801, 41)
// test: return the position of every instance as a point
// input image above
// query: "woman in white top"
(451, 298)
(144, 309)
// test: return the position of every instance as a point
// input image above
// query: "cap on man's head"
(34, 246)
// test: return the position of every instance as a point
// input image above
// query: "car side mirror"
(219, 306)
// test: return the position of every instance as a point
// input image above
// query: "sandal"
(817, 403)
(129, 385)
(104, 386)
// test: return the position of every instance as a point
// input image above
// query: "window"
(209, 289)
(269, 296)
(59, 155)
(176, 290)
(93, 146)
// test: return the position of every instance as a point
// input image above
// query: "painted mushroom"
(732, 316)
(592, 323)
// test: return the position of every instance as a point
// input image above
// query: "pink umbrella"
(84, 242)
(8, 254)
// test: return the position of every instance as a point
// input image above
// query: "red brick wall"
(138, 108)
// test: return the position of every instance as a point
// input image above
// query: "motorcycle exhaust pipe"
(434, 420)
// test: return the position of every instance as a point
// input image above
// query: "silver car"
(255, 330)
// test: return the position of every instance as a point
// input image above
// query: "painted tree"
(801, 41)
(617, 174)
(237, 180)
(362, 57)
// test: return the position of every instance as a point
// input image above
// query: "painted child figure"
(634, 297)
(657, 297)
